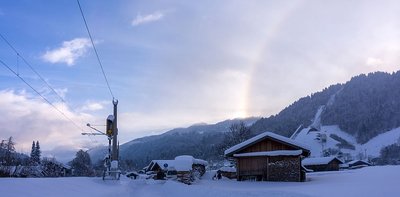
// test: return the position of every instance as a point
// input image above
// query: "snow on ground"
(369, 181)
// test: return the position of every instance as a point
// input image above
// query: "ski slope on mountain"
(369, 181)
(371, 148)
(374, 146)
(313, 140)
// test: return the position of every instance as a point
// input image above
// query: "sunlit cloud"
(371, 61)
(143, 19)
(27, 118)
(93, 106)
(69, 51)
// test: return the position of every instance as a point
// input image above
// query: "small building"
(228, 172)
(185, 167)
(322, 163)
(358, 164)
(268, 157)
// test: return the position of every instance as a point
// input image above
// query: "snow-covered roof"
(355, 161)
(262, 136)
(227, 169)
(183, 165)
(271, 153)
(192, 159)
(318, 160)
(180, 163)
(161, 163)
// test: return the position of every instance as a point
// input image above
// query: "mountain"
(356, 119)
(363, 107)
(199, 140)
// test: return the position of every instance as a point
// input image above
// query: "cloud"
(371, 61)
(62, 92)
(93, 106)
(69, 52)
(28, 118)
(140, 20)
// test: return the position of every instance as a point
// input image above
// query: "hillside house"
(268, 157)
(322, 163)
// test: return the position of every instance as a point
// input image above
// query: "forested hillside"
(299, 113)
(201, 141)
(364, 107)
(367, 106)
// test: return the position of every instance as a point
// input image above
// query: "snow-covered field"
(369, 181)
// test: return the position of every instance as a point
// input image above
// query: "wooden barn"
(322, 163)
(268, 157)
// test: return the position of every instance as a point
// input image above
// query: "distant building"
(228, 172)
(322, 163)
(268, 157)
(184, 167)
(357, 164)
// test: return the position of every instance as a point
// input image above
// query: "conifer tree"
(38, 152)
(82, 164)
(33, 150)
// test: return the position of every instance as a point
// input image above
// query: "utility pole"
(115, 154)
(115, 149)
(111, 162)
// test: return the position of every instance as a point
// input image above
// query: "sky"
(176, 63)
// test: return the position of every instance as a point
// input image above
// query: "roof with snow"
(180, 163)
(267, 135)
(319, 161)
(358, 162)
(271, 153)
(227, 169)
(161, 163)
(192, 159)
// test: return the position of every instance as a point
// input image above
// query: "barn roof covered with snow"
(272, 136)
(319, 160)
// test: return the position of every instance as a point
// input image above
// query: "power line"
(95, 50)
(31, 67)
(44, 98)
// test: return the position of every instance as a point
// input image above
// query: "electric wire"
(95, 50)
(31, 67)
(19, 56)
(37, 92)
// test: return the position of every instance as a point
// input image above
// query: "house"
(358, 164)
(157, 165)
(322, 163)
(269, 157)
(185, 167)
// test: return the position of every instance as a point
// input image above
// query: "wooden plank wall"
(266, 145)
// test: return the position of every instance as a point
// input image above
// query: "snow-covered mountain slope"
(340, 140)
(329, 137)
(373, 146)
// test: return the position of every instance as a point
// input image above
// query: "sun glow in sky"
(176, 63)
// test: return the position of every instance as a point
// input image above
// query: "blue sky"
(176, 63)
